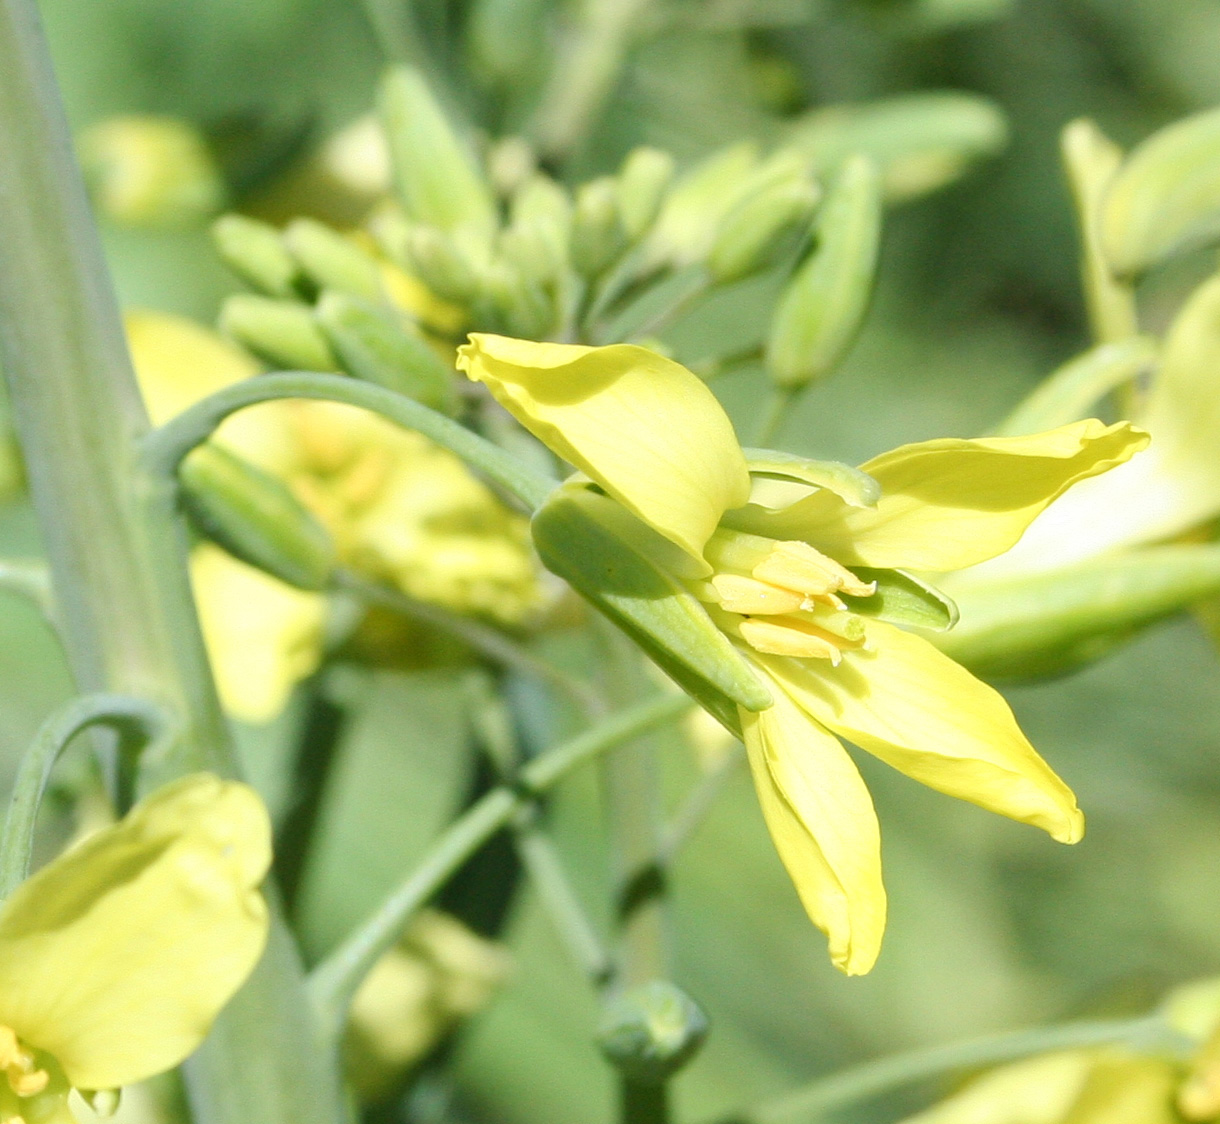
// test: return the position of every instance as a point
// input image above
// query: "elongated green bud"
(332, 261)
(256, 253)
(1166, 197)
(280, 333)
(521, 303)
(823, 306)
(431, 255)
(598, 237)
(255, 517)
(753, 229)
(643, 181)
(651, 1031)
(437, 180)
(377, 345)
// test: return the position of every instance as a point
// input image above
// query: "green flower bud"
(520, 302)
(256, 253)
(751, 231)
(1166, 197)
(643, 181)
(331, 260)
(432, 256)
(280, 333)
(598, 237)
(823, 306)
(380, 346)
(437, 180)
(150, 171)
(650, 1032)
(255, 517)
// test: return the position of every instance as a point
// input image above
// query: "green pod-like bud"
(437, 180)
(823, 306)
(519, 301)
(432, 256)
(598, 237)
(280, 333)
(643, 181)
(1035, 625)
(332, 261)
(1166, 196)
(651, 1031)
(380, 346)
(603, 552)
(255, 517)
(255, 251)
(751, 231)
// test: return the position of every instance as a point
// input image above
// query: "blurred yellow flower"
(116, 957)
(399, 509)
(772, 572)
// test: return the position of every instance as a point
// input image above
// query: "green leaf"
(849, 484)
(902, 598)
(580, 536)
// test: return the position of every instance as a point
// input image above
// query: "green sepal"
(377, 345)
(579, 535)
(255, 517)
(1046, 624)
(850, 484)
(902, 598)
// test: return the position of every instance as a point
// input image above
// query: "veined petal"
(116, 957)
(912, 706)
(951, 503)
(822, 821)
(642, 426)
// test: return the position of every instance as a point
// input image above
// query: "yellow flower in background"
(116, 957)
(399, 509)
(798, 573)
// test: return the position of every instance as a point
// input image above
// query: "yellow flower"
(772, 561)
(116, 957)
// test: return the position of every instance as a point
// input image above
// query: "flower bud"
(255, 517)
(643, 181)
(598, 237)
(377, 345)
(256, 253)
(280, 333)
(332, 261)
(650, 1032)
(519, 300)
(751, 231)
(435, 260)
(823, 306)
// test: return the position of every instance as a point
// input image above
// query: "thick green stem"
(116, 545)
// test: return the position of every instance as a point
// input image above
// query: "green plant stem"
(116, 544)
(641, 1103)
(31, 580)
(138, 722)
(774, 414)
(871, 1079)
(165, 448)
(334, 981)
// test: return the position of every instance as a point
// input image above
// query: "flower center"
(782, 598)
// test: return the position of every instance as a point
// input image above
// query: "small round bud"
(650, 1032)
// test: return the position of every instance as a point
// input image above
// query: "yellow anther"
(28, 1084)
(748, 595)
(792, 637)
(798, 566)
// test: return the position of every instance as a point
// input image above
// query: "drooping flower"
(799, 565)
(116, 957)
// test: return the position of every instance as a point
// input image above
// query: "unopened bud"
(521, 303)
(823, 306)
(598, 237)
(432, 256)
(650, 1032)
(255, 517)
(643, 181)
(255, 251)
(280, 333)
(377, 345)
(752, 230)
(332, 261)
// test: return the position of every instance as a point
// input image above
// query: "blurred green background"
(992, 925)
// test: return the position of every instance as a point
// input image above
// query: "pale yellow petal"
(178, 362)
(952, 503)
(912, 706)
(642, 426)
(116, 957)
(821, 819)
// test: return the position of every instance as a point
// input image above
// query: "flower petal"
(952, 503)
(912, 706)
(116, 957)
(822, 821)
(640, 425)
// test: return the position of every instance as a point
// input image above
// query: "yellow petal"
(116, 957)
(821, 819)
(912, 706)
(951, 503)
(178, 362)
(640, 425)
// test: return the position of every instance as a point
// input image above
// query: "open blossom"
(799, 565)
(116, 957)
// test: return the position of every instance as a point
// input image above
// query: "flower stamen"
(25, 1079)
